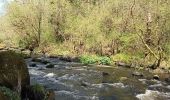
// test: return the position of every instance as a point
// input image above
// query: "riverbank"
(93, 59)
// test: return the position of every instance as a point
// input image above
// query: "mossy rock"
(14, 71)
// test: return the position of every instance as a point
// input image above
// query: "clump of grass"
(38, 88)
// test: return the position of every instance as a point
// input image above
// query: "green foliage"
(105, 61)
(9, 93)
(93, 59)
(85, 59)
(121, 57)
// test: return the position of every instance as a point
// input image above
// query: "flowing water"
(75, 81)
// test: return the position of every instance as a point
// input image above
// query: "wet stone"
(50, 66)
(137, 74)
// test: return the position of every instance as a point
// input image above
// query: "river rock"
(40, 60)
(14, 73)
(138, 74)
(156, 77)
(122, 64)
(50, 66)
(33, 65)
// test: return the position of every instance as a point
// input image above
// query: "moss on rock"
(14, 72)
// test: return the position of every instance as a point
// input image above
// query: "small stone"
(156, 77)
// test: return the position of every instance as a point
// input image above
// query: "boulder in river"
(14, 72)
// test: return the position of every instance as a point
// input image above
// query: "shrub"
(105, 61)
(93, 59)
(85, 59)
(9, 93)
(121, 57)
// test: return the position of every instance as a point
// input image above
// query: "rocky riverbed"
(75, 81)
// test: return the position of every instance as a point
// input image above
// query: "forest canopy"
(135, 31)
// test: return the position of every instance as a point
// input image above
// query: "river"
(75, 81)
